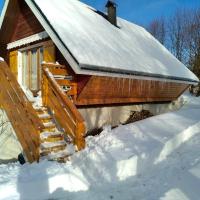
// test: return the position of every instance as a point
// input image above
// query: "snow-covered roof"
(92, 45)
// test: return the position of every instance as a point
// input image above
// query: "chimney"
(112, 12)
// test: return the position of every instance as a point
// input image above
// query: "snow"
(46, 134)
(68, 151)
(48, 124)
(99, 46)
(28, 40)
(44, 116)
(46, 145)
(154, 159)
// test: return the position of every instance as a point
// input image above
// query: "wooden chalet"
(76, 57)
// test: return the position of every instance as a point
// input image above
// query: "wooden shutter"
(13, 62)
(49, 52)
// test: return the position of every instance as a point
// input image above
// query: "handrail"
(63, 109)
(20, 112)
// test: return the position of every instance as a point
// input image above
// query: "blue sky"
(143, 11)
(1, 4)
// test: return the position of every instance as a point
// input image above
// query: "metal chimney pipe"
(112, 12)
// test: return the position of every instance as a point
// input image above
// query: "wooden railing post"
(80, 140)
(44, 90)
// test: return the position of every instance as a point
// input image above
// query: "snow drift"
(156, 158)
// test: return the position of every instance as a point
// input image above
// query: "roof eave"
(87, 70)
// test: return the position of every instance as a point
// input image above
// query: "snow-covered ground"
(154, 159)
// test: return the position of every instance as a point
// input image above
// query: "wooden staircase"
(53, 131)
(58, 94)
(54, 146)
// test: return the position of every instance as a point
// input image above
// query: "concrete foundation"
(115, 115)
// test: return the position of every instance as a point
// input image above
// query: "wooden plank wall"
(108, 90)
(49, 54)
(20, 112)
(26, 23)
(13, 62)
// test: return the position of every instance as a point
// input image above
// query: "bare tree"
(193, 42)
(177, 28)
(158, 29)
(3, 124)
(180, 33)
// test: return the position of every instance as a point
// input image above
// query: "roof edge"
(135, 75)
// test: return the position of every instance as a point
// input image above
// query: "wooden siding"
(82, 81)
(13, 62)
(107, 90)
(49, 52)
(61, 60)
(26, 23)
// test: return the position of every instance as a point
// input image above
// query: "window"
(31, 68)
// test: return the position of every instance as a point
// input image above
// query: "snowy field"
(154, 159)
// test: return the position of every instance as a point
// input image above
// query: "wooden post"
(44, 90)
(79, 139)
(13, 63)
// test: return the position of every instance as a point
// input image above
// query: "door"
(31, 68)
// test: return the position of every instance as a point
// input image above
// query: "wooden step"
(61, 156)
(46, 151)
(46, 145)
(63, 159)
(44, 116)
(54, 66)
(53, 139)
(32, 101)
(41, 110)
(58, 71)
(63, 77)
(49, 125)
(62, 82)
(48, 134)
(47, 119)
(50, 128)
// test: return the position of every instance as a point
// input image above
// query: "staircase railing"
(20, 112)
(65, 112)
